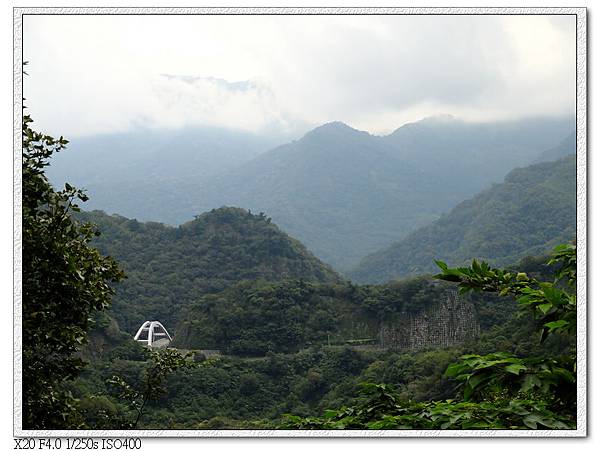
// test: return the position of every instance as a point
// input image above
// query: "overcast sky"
(102, 74)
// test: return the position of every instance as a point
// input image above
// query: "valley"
(399, 182)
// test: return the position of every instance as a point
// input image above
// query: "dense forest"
(254, 318)
(267, 336)
(256, 388)
(266, 224)
(169, 267)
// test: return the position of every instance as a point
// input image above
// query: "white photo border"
(582, 289)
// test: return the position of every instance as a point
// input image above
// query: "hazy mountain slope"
(468, 157)
(342, 192)
(141, 173)
(534, 209)
(334, 185)
(168, 267)
(345, 193)
(566, 147)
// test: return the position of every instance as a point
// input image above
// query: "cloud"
(183, 100)
(99, 74)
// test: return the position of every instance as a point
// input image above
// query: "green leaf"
(441, 264)
(531, 421)
(455, 369)
(515, 368)
(552, 325)
(530, 381)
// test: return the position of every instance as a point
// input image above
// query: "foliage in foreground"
(65, 281)
(232, 392)
(384, 409)
(499, 390)
(162, 363)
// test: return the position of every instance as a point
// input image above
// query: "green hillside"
(533, 210)
(345, 193)
(169, 267)
(292, 351)
(334, 186)
(254, 318)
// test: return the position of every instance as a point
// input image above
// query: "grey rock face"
(450, 322)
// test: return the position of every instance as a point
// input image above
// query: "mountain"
(252, 318)
(143, 172)
(345, 193)
(566, 147)
(533, 210)
(330, 187)
(469, 157)
(169, 267)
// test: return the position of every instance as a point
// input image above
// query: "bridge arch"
(153, 334)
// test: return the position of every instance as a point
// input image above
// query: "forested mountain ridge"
(251, 318)
(169, 267)
(255, 318)
(140, 173)
(322, 188)
(334, 186)
(533, 210)
(338, 185)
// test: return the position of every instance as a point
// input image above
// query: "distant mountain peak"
(334, 125)
(334, 129)
(436, 119)
(429, 122)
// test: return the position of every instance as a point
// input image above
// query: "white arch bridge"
(153, 334)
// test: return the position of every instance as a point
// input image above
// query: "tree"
(65, 281)
(498, 390)
(162, 363)
(549, 380)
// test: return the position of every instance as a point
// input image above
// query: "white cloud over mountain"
(98, 74)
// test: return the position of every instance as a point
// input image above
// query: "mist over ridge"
(333, 186)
